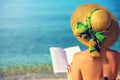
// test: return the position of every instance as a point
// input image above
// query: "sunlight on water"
(28, 28)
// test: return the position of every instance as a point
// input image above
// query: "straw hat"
(98, 19)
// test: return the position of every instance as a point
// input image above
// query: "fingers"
(69, 70)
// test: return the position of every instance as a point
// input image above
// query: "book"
(62, 57)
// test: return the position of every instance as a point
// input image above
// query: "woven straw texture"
(100, 21)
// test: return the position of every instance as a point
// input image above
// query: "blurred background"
(28, 28)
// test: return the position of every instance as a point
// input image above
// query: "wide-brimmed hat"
(97, 22)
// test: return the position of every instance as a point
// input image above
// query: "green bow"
(87, 30)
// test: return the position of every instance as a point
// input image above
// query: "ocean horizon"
(28, 28)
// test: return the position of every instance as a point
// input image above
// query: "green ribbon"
(86, 29)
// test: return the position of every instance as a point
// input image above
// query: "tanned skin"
(84, 67)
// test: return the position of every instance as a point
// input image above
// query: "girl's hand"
(69, 72)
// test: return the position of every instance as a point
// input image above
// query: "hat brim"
(81, 14)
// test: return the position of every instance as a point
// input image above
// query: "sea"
(28, 28)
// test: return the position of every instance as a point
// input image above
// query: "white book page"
(70, 52)
(59, 59)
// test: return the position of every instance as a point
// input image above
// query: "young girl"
(95, 27)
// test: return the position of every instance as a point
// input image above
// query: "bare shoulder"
(76, 55)
(113, 52)
(116, 54)
(80, 55)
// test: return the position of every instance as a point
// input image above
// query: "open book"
(62, 57)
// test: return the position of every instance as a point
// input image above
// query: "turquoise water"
(28, 28)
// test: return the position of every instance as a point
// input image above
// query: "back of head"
(95, 27)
